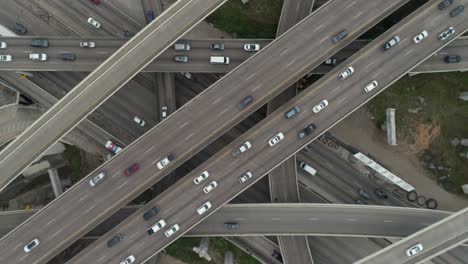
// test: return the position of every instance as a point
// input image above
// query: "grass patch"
(182, 250)
(435, 97)
(73, 157)
(256, 19)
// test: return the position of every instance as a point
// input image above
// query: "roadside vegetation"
(73, 168)
(256, 19)
(182, 250)
(428, 116)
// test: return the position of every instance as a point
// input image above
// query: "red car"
(96, 2)
(132, 169)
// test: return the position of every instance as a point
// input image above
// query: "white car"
(277, 138)
(419, 37)
(163, 163)
(112, 147)
(139, 121)
(5, 58)
(245, 177)
(343, 75)
(96, 179)
(414, 250)
(163, 112)
(3, 45)
(156, 227)
(371, 86)
(129, 260)
(201, 177)
(210, 187)
(447, 33)
(320, 106)
(38, 56)
(87, 44)
(31, 245)
(251, 47)
(172, 230)
(202, 209)
(242, 148)
(94, 22)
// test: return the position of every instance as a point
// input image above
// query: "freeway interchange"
(211, 113)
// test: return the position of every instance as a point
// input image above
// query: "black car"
(150, 213)
(19, 29)
(115, 240)
(338, 37)
(231, 226)
(68, 56)
(245, 102)
(364, 194)
(275, 254)
(307, 131)
(380, 193)
(452, 59)
(444, 4)
(40, 43)
(458, 10)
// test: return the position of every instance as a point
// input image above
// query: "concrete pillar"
(228, 257)
(55, 180)
(202, 251)
(391, 127)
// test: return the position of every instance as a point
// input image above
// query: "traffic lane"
(259, 247)
(292, 12)
(433, 238)
(268, 87)
(322, 220)
(295, 249)
(283, 182)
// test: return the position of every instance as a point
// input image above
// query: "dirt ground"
(166, 259)
(359, 131)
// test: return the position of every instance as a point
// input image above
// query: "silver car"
(96, 179)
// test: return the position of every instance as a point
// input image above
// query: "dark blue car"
(150, 15)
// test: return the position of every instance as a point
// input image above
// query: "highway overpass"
(208, 112)
(261, 158)
(90, 59)
(285, 219)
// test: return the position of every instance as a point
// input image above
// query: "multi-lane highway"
(283, 180)
(433, 240)
(261, 158)
(89, 59)
(109, 77)
(206, 117)
(287, 219)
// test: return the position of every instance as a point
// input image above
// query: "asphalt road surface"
(89, 59)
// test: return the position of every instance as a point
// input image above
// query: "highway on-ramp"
(190, 128)
(435, 240)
